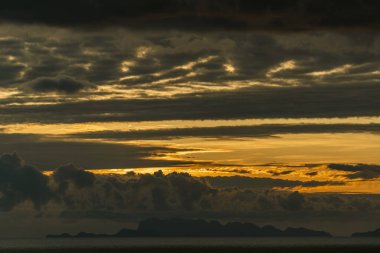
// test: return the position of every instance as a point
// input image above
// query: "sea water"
(199, 245)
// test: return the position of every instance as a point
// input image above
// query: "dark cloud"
(81, 178)
(312, 173)
(191, 63)
(20, 183)
(358, 171)
(179, 194)
(80, 197)
(9, 71)
(279, 173)
(290, 102)
(174, 192)
(12, 139)
(60, 84)
(89, 155)
(198, 15)
(189, 190)
(294, 201)
(266, 130)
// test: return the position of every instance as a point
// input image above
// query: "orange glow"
(298, 173)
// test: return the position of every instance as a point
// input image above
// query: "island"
(154, 227)
(374, 233)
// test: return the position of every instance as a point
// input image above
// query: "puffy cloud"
(19, 183)
(77, 194)
(79, 177)
(144, 195)
(295, 201)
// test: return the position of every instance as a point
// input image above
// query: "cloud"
(265, 130)
(361, 171)
(157, 192)
(312, 173)
(144, 195)
(343, 100)
(79, 177)
(73, 195)
(279, 173)
(89, 155)
(9, 71)
(190, 191)
(295, 201)
(186, 70)
(62, 84)
(196, 15)
(19, 183)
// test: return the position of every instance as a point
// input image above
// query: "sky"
(261, 111)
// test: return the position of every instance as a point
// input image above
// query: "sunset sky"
(273, 106)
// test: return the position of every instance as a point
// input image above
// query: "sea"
(196, 245)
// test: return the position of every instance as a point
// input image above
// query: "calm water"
(184, 242)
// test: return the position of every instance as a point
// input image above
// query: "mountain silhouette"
(200, 228)
(374, 233)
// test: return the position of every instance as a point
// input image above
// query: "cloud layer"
(265, 130)
(123, 75)
(119, 64)
(77, 190)
(48, 153)
(198, 15)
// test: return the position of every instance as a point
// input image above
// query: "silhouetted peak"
(154, 227)
(304, 232)
(374, 233)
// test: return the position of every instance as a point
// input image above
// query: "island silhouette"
(154, 227)
(374, 233)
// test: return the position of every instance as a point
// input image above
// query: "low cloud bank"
(74, 190)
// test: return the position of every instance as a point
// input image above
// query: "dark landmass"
(200, 228)
(374, 233)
